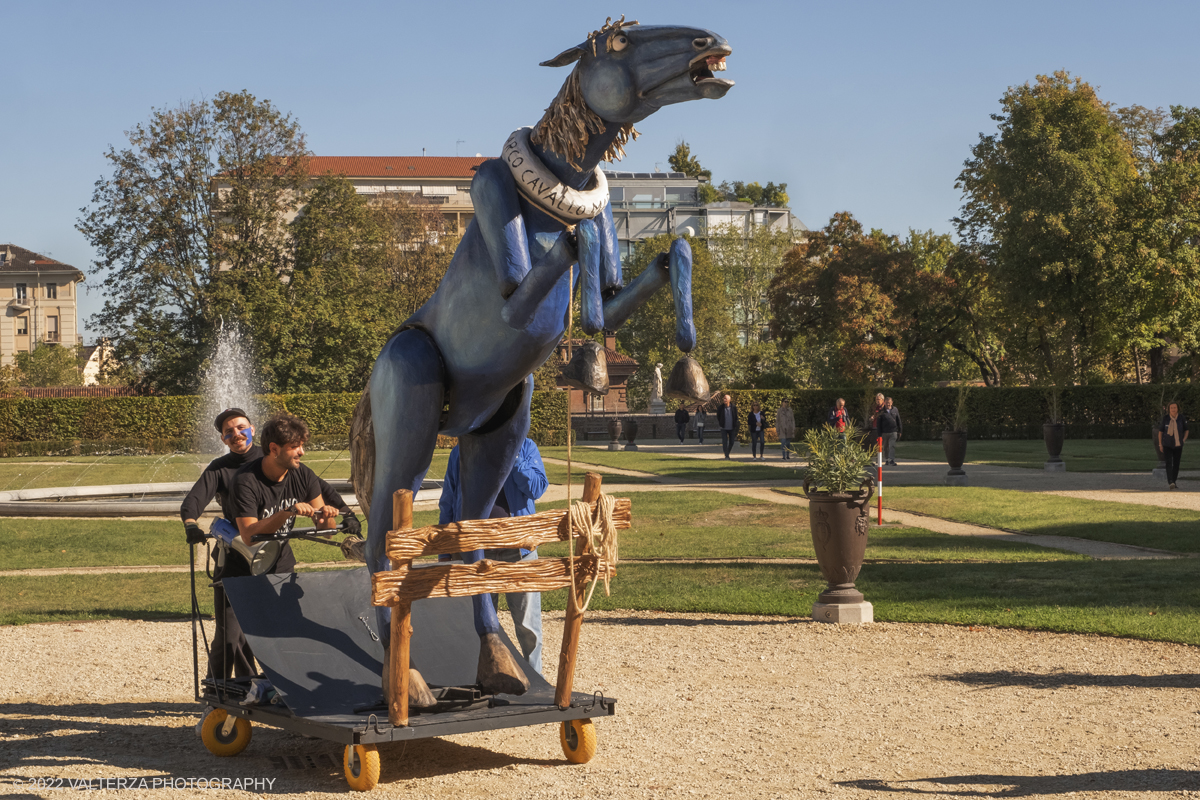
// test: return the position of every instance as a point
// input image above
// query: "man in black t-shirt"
(270, 493)
(230, 654)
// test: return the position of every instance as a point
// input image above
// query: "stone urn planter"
(954, 445)
(1052, 433)
(614, 434)
(631, 431)
(839, 486)
(839, 523)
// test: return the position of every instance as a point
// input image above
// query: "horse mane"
(568, 123)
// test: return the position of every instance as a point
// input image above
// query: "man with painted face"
(230, 654)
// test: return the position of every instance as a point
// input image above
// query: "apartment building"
(38, 295)
(444, 181)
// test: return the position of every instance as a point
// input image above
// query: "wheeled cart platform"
(314, 634)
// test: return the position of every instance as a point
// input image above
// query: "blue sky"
(865, 107)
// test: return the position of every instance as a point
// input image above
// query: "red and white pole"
(880, 484)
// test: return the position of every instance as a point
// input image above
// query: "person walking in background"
(699, 419)
(889, 427)
(1172, 433)
(785, 428)
(681, 422)
(755, 423)
(727, 421)
(837, 416)
(873, 418)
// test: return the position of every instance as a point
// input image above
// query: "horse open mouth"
(703, 66)
(703, 69)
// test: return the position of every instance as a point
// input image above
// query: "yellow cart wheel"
(220, 743)
(578, 740)
(362, 766)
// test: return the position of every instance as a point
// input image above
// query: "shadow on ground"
(158, 740)
(1143, 780)
(1063, 680)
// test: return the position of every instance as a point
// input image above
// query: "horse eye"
(619, 43)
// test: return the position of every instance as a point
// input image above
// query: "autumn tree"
(202, 188)
(870, 308)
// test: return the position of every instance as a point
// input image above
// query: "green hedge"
(1112, 411)
(57, 420)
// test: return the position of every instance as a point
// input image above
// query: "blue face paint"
(249, 437)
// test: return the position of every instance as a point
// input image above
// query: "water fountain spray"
(229, 381)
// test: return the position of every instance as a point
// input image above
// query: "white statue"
(656, 392)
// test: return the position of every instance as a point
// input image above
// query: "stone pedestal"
(630, 446)
(614, 445)
(657, 406)
(956, 477)
(844, 613)
(1056, 466)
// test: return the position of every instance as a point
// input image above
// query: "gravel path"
(708, 706)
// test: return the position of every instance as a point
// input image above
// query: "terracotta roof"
(612, 357)
(18, 259)
(395, 166)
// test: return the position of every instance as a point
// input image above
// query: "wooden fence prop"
(402, 585)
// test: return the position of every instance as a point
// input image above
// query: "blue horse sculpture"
(462, 365)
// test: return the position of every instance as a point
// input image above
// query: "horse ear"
(567, 56)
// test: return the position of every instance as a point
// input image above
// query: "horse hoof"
(419, 695)
(498, 671)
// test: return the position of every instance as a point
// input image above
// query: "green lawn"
(690, 469)
(1123, 523)
(688, 525)
(667, 525)
(1081, 455)
(1147, 600)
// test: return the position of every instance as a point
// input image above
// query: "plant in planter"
(954, 441)
(1053, 432)
(839, 486)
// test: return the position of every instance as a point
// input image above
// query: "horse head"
(624, 73)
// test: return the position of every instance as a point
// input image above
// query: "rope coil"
(601, 537)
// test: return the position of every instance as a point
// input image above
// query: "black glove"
(194, 534)
(350, 523)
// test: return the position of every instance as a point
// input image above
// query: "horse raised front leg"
(674, 267)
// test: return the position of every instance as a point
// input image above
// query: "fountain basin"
(136, 499)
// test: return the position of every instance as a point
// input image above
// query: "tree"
(869, 308)
(1171, 231)
(50, 365)
(1046, 206)
(748, 258)
(770, 195)
(357, 269)
(683, 161)
(165, 233)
